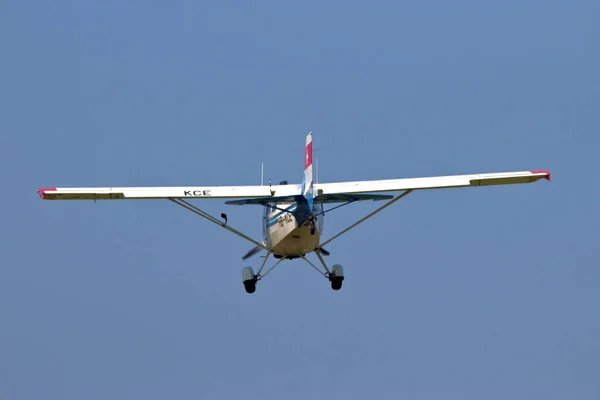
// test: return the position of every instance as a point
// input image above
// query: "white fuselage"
(286, 229)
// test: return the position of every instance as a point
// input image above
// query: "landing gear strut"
(249, 278)
(335, 276)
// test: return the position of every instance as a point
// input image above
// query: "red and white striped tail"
(308, 167)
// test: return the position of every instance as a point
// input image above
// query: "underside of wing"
(438, 182)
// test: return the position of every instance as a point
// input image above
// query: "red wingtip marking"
(542, 171)
(42, 191)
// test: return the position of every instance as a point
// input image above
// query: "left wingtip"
(541, 171)
(42, 192)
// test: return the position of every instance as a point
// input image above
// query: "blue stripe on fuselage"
(273, 220)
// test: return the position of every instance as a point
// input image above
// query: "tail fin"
(307, 183)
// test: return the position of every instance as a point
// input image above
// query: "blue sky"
(462, 294)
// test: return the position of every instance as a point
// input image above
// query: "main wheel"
(250, 286)
(337, 277)
(249, 280)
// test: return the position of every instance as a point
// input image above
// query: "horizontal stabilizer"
(267, 200)
(344, 197)
(322, 199)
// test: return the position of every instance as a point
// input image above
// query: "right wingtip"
(541, 171)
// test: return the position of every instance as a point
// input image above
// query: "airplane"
(293, 216)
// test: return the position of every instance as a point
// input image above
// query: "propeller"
(252, 252)
(323, 251)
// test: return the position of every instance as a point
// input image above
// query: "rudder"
(307, 182)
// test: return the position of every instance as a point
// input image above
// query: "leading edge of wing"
(438, 182)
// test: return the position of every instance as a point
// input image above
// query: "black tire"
(336, 283)
(250, 286)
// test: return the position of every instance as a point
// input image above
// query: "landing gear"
(250, 286)
(336, 277)
(249, 280)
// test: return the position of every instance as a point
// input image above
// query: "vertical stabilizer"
(307, 182)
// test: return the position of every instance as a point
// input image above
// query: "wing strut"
(389, 203)
(214, 220)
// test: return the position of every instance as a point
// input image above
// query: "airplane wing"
(438, 182)
(123, 193)
(328, 192)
